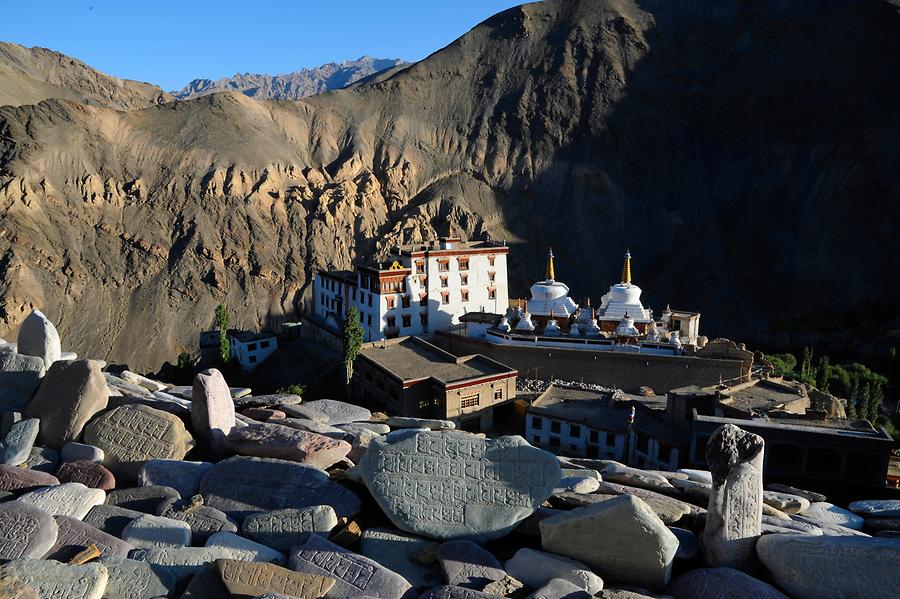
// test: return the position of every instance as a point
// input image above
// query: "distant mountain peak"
(294, 85)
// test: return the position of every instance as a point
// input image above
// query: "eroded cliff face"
(747, 155)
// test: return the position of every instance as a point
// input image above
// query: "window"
(491, 260)
(537, 423)
(554, 426)
(445, 297)
(610, 440)
(491, 276)
(574, 430)
(492, 293)
(251, 347)
(444, 281)
(464, 264)
(369, 320)
(405, 301)
(370, 302)
(553, 442)
(390, 302)
(263, 344)
(498, 395)
(443, 265)
(252, 359)
(423, 317)
(419, 266)
(463, 279)
(465, 295)
(423, 301)
(406, 320)
(468, 401)
(594, 437)
(391, 322)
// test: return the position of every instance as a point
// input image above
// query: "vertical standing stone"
(734, 520)
(212, 409)
(38, 337)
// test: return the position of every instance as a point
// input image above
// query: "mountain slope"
(30, 75)
(747, 154)
(295, 85)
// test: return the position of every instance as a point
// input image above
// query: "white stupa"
(626, 328)
(624, 299)
(503, 326)
(524, 323)
(551, 297)
(552, 328)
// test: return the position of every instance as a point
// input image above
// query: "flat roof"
(482, 317)
(344, 275)
(763, 396)
(798, 425)
(248, 336)
(455, 244)
(412, 358)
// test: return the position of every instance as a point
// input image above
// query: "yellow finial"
(626, 270)
(551, 274)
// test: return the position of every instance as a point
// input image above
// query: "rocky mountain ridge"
(588, 126)
(294, 85)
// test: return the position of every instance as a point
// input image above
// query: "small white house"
(250, 349)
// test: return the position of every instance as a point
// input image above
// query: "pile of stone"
(122, 487)
(524, 385)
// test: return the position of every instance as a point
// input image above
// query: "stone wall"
(624, 370)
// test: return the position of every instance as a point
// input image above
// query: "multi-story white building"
(421, 288)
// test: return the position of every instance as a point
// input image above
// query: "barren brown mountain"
(747, 152)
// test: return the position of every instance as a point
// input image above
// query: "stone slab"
(20, 377)
(203, 520)
(266, 440)
(70, 394)
(467, 564)
(142, 381)
(537, 568)
(810, 496)
(67, 499)
(183, 476)
(75, 536)
(17, 437)
(452, 592)
(110, 519)
(454, 485)
(212, 409)
(280, 529)
(828, 513)
(54, 580)
(267, 401)
(186, 561)
(39, 337)
(397, 551)
(711, 583)
(246, 579)
(74, 452)
(131, 579)
(24, 479)
(42, 459)
(332, 411)
(240, 486)
(25, 531)
(90, 474)
(560, 589)
(786, 502)
(354, 574)
(634, 477)
(429, 423)
(142, 499)
(234, 542)
(131, 435)
(157, 531)
(876, 508)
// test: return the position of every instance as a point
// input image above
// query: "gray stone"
(142, 499)
(719, 583)
(876, 508)
(185, 561)
(375, 427)
(76, 452)
(452, 592)
(203, 520)
(787, 503)
(828, 528)
(823, 513)
(537, 568)
(205, 584)
(212, 409)
(313, 426)
(466, 564)
(42, 459)
(688, 544)
(54, 580)
(182, 476)
(456, 485)
(131, 579)
(245, 579)
(12, 587)
(354, 574)
(625, 475)
(258, 551)
(67, 499)
(883, 524)
(694, 490)
(20, 376)
(700, 476)
(734, 518)
(142, 381)
(157, 531)
(408, 422)
(75, 536)
(25, 531)
(621, 538)
(560, 589)
(240, 486)
(267, 401)
(267, 440)
(669, 509)
(71, 393)
(280, 529)
(832, 567)
(577, 484)
(397, 551)
(131, 435)
(530, 526)
(38, 337)
(810, 496)
(124, 387)
(334, 412)
(17, 438)
(24, 479)
(110, 519)
(770, 524)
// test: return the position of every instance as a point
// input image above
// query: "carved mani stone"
(132, 434)
(76, 536)
(212, 409)
(24, 479)
(25, 531)
(246, 579)
(280, 529)
(69, 395)
(709, 583)
(466, 564)
(455, 485)
(95, 476)
(734, 518)
(131, 579)
(67, 499)
(267, 440)
(54, 580)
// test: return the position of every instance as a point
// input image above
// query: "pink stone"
(212, 409)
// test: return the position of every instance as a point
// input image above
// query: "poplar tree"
(222, 321)
(353, 338)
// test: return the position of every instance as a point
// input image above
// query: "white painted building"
(251, 349)
(421, 288)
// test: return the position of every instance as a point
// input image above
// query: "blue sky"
(172, 42)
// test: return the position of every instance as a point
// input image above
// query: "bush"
(783, 363)
(292, 390)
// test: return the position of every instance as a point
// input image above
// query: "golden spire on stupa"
(551, 274)
(626, 270)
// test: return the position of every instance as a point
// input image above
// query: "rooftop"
(763, 395)
(835, 428)
(412, 358)
(448, 243)
(348, 276)
(248, 336)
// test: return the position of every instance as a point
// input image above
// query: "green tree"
(185, 360)
(873, 406)
(852, 397)
(783, 363)
(353, 338)
(222, 321)
(806, 363)
(292, 390)
(864, 398)
(823, 375)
